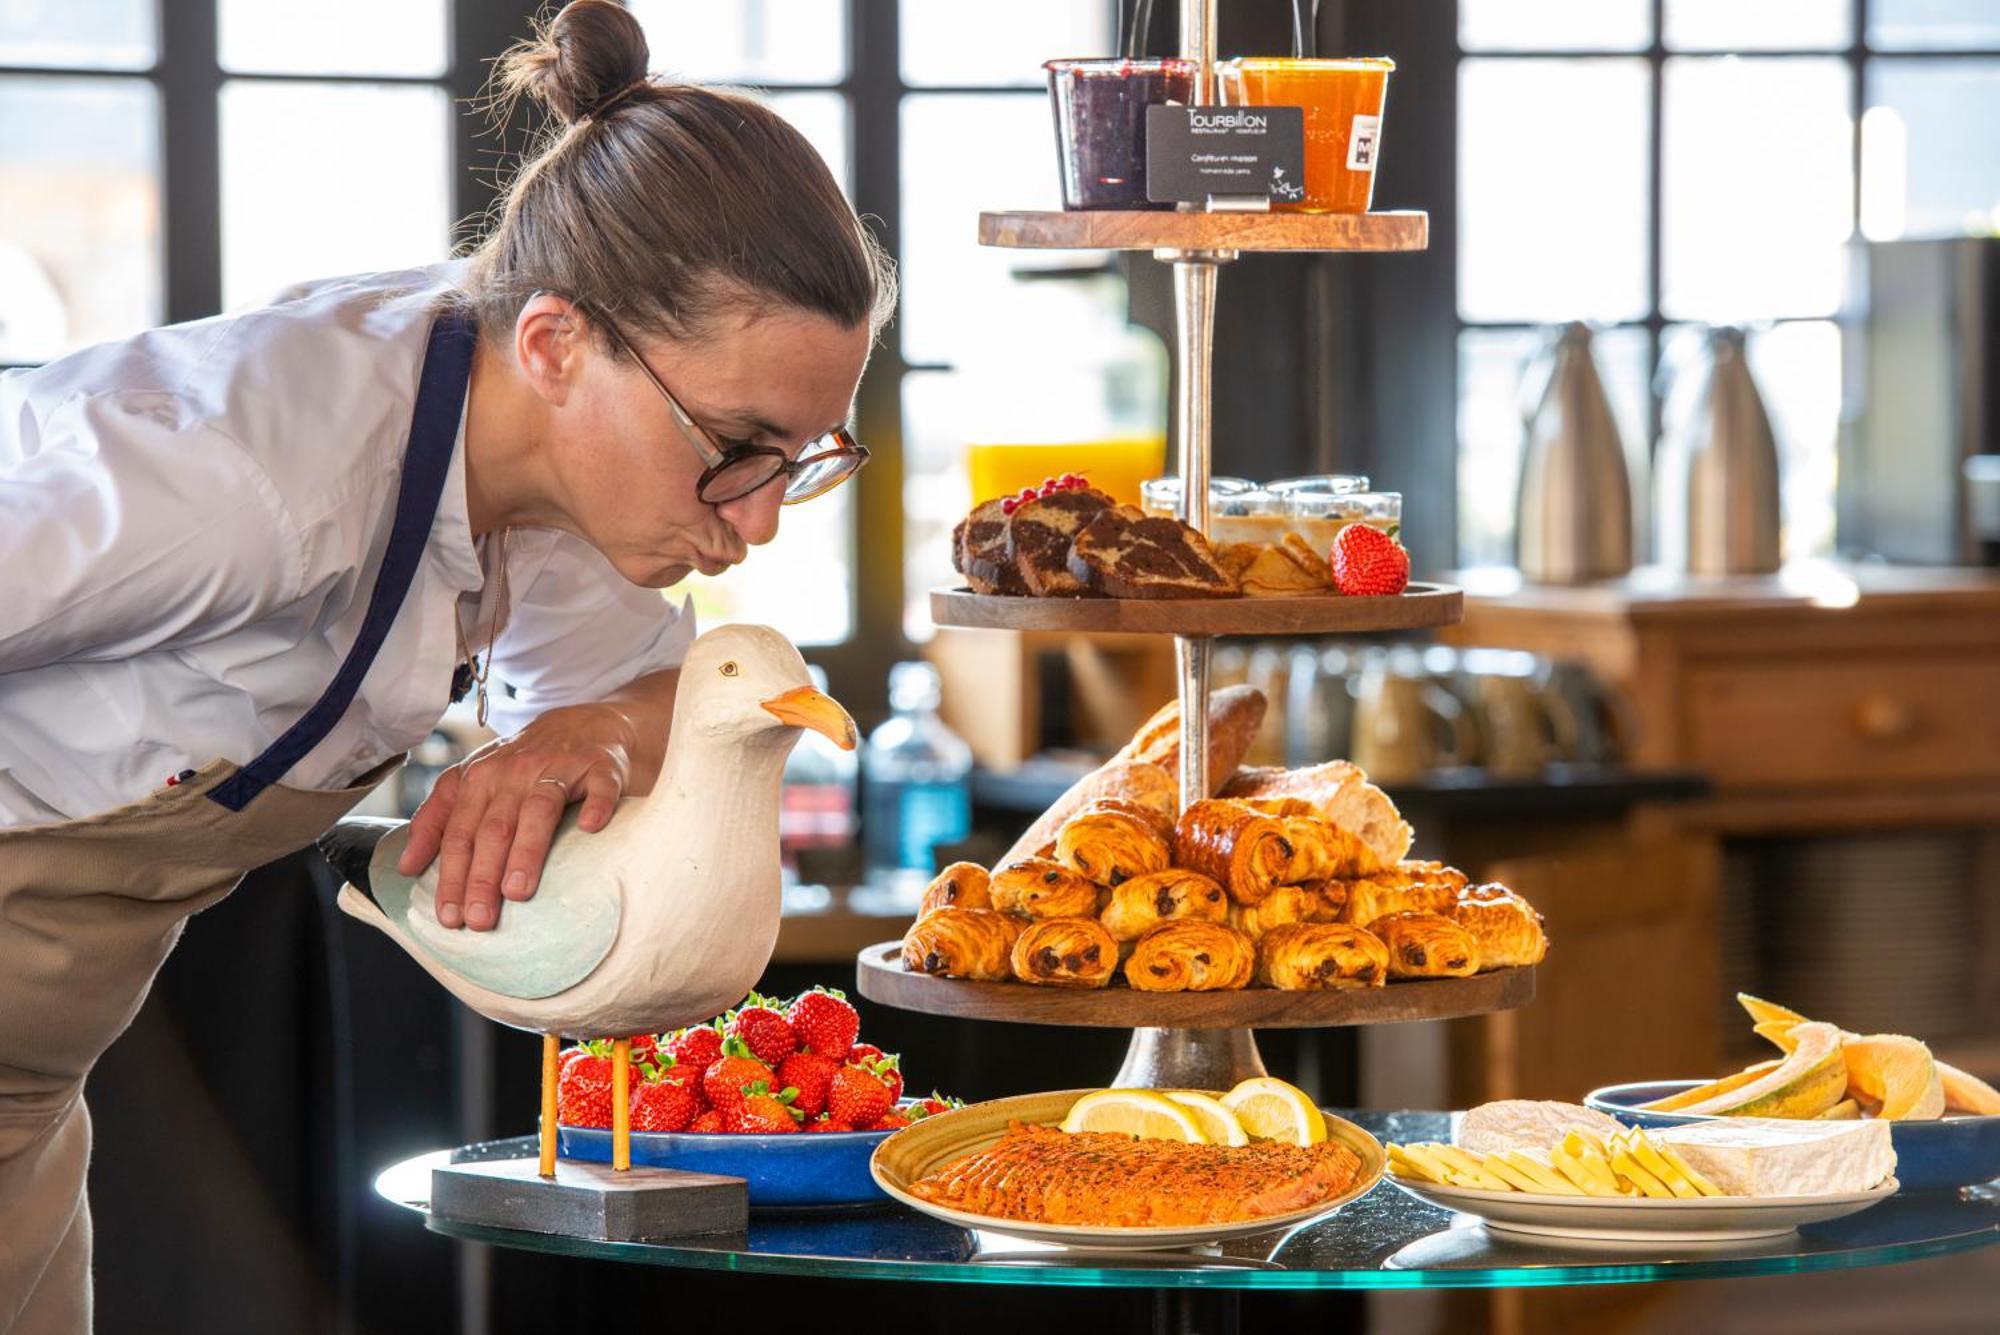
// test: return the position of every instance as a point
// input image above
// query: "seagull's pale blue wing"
(542, 946)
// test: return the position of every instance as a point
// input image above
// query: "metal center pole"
(1194, 319)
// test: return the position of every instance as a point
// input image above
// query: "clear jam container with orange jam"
(1343, 101)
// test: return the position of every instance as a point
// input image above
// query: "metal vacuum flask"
(1716, 475)
(1573, 517)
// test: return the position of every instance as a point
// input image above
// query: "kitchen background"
(1824, 173)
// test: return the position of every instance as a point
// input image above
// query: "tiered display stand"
(1196, 1040)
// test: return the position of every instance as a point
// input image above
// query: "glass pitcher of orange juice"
(1080, 391)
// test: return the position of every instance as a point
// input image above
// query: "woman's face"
(624, 470)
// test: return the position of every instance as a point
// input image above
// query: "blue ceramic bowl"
(1930, 1156)
(787, 1172)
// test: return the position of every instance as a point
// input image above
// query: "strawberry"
(824, 1023)
(724, 1080)
(859, 1096)
(932, 1106)
(1368, 563)
(763, 1030)
(583, 1086)
(825, 1123)
(645, 1048)
(664, 1105)
(709, 1123)
(697, 1047)
(765, 1113)
(890, 1121)
(863, 1053)
(890, 1069)
(810, 1074)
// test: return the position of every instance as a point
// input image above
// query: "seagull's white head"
(742, 680)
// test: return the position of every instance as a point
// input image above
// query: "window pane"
(87, 34)
(947, 275)
(1554, 25)
(1757, 188)
(801, 582)
(1552, 189)
(753, 41)
(1930, 145)
(79, 213)
(1724, 25)
(1916, 25)
(372, 196)
(1492, 406)
(332, 36)
(1797, 369)
(1000, 44)
(822, 119)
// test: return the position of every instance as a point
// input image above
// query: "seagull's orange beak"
(806, 707)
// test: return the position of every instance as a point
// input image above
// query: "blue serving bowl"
(803, 1170)
(1930, 1156)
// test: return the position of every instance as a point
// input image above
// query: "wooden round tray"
(1161, 230)
(881, 977)
(1418, 607)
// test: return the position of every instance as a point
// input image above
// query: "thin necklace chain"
(495, 623)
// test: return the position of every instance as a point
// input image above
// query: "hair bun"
(588, 56)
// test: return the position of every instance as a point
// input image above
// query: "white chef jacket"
(190, 526)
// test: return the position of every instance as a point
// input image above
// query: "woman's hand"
(490, 817)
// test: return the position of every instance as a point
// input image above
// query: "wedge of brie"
(1762, 1156)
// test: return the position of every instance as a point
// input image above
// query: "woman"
(246, 563)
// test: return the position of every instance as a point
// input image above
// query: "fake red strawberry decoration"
(1368, 563)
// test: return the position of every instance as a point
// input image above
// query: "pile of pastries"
(1292, 879)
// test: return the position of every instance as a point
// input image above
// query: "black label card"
(1195, 152)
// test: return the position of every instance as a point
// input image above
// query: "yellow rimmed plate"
(911, 1153)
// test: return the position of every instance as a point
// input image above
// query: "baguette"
(1146, 770)
(1339, 793)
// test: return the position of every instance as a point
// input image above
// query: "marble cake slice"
(1126, 553)
(1039, 534)
(979, 551)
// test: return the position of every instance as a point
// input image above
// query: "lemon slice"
(1270, 1109)
(1134, 1112)
(1217, 1122)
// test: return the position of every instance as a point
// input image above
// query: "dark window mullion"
(190, 81)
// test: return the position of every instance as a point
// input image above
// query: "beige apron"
(88, 911)
(89, 908)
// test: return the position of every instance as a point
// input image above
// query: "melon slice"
(1967, 1093)
(1812, 1078)
(1676, 1102)
(1762, 1011)
(1847, 1110)
(1897, 1070)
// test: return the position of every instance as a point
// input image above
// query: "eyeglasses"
(826, 461)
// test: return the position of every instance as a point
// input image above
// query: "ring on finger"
(550, 778)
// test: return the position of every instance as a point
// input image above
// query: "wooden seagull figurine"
(665, 917)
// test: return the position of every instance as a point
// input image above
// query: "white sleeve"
(578, 631)
(127, 525)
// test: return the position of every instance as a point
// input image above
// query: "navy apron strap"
(433, 432)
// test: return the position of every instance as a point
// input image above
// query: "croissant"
(1503, 925)
(1065, 952)
(1288, 903)
(1191, 955)
(1339, 793)
(1239, 847)
(961, 943)
(1111, 846)
(1144, 902)
(1042, 888)
(961, 885)
(1428, 887)
(1314, 956)
(1426, 945)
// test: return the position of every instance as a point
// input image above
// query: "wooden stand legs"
(551, 1043)
(621, 1104)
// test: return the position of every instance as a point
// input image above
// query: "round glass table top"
(1386, 1240)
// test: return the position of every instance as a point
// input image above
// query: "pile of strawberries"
(767, 1066)
(1050, 486)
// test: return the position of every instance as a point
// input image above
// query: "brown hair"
(659, 204)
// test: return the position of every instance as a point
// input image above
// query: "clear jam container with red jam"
(1100, 112)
